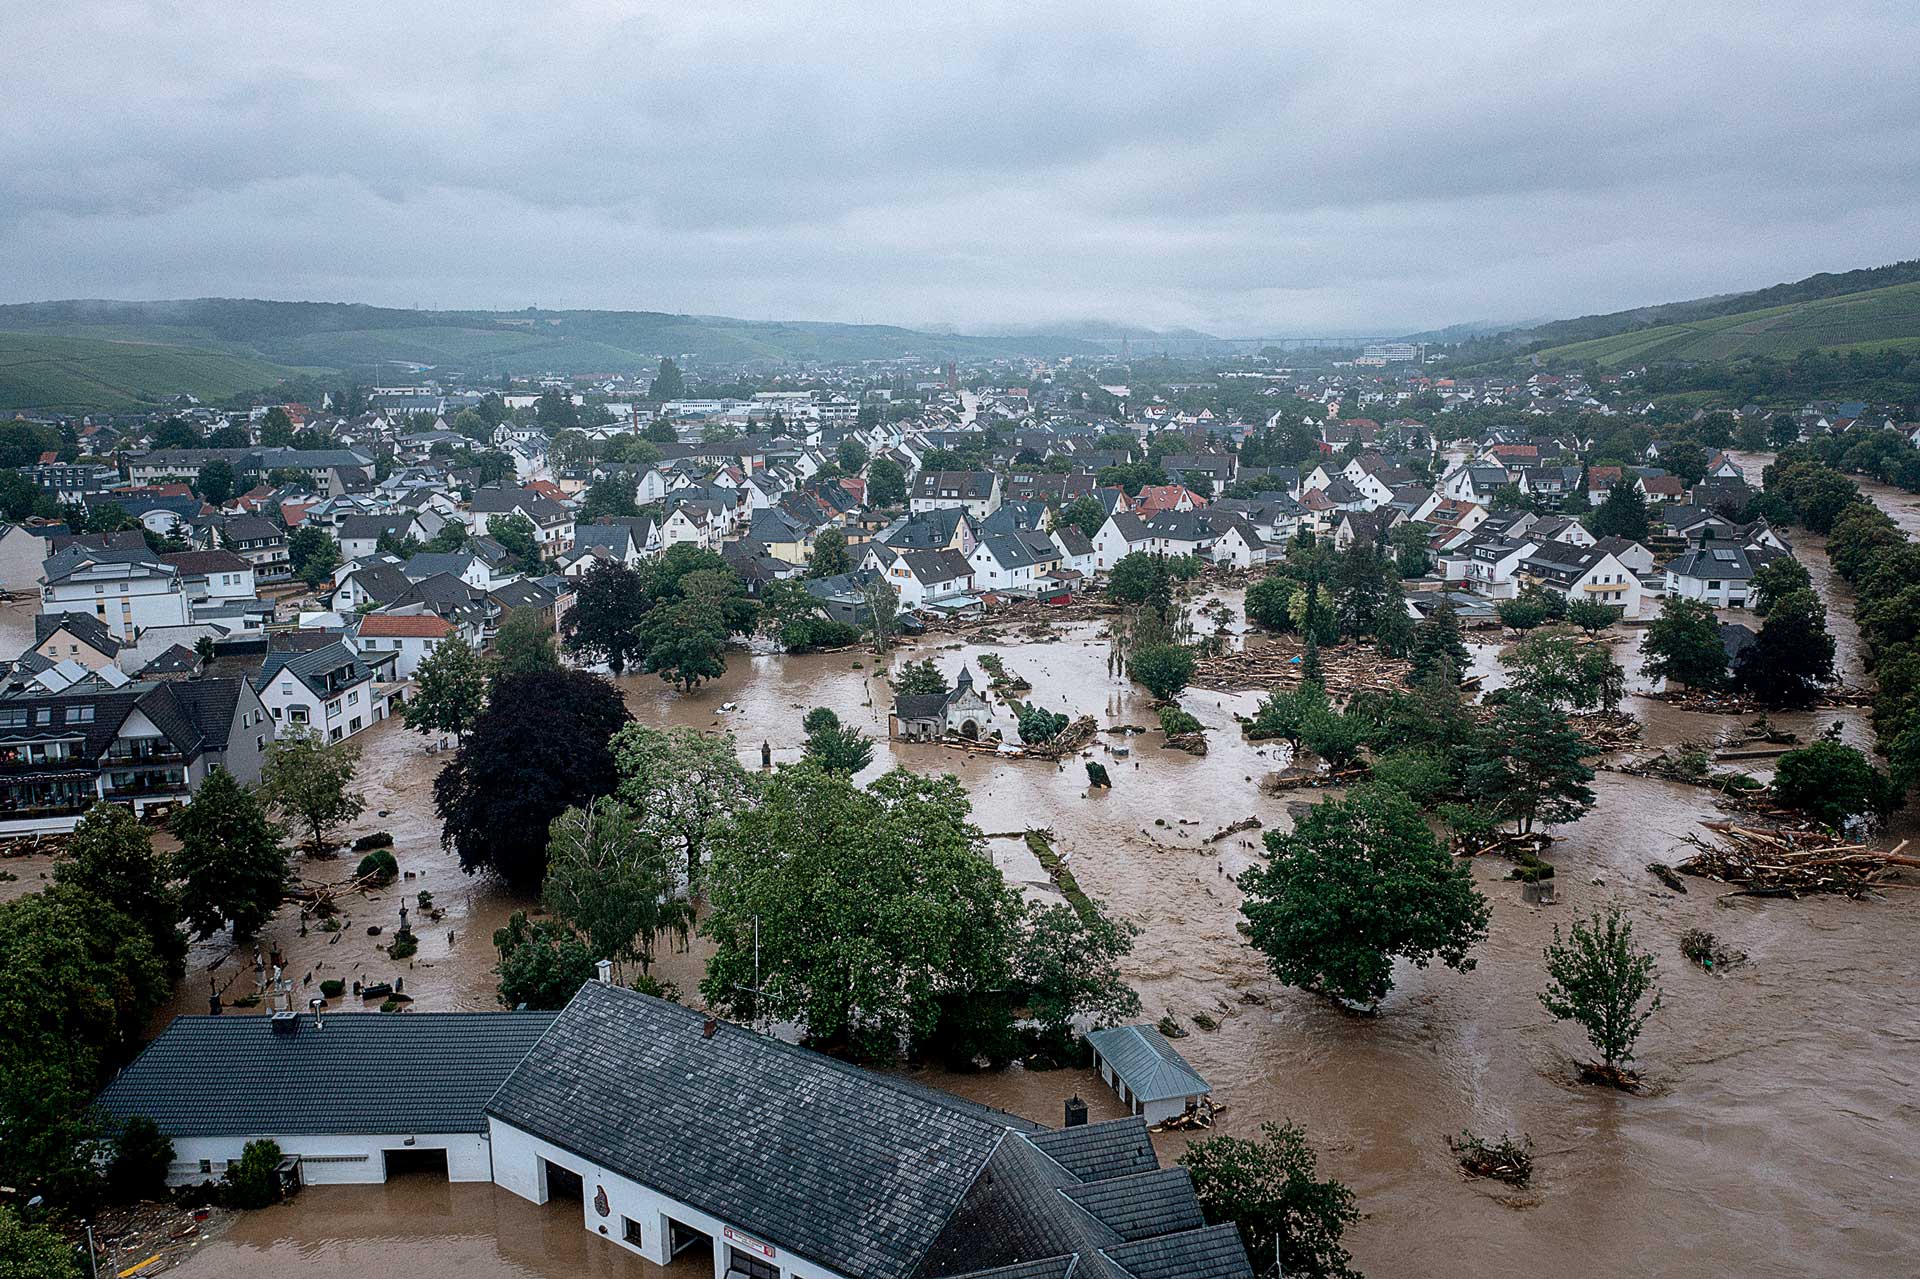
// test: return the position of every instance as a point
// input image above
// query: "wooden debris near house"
(1275, 783)
(1603, 732)
(1197, 1116)
(1349, 668)
(1689, 699)
(1790, 863)
(1070, 740)
(1191, 743)
(1245, 823)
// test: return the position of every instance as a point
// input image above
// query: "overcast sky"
(1249, 169)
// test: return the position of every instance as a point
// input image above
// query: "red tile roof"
(404, 626)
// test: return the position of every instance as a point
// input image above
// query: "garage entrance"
(564, 1184)
(683, 1239)
(416, 1161)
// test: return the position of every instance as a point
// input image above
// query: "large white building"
(127, 591)
(672, 1136)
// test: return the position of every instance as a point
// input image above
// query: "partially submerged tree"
(524, 645)
(1598, 978)
(542, 745)
(110, 856)
(310, 783)
(1270, 1190)
(448, 689)
(1792, 656)
(231, 864)
(1833, 784)
(609, 610)
(542, 964)
(1683, 645)
(614, 881)
(868, 907)
(682, 784)
(1356, 884)
(1530, 766)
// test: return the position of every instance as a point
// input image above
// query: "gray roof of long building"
(849, 1168)
(359, 1073)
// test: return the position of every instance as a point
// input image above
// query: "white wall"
(518, 1166)
(468, 1156)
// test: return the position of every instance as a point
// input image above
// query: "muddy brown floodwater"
(1779, 1134)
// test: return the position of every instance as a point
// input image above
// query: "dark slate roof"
(920, 705)
(851, 1169)
(1142, 1205)
(1213, 1253)
(1051, 1268)
(1096, 1151)
(84, 627)
(359, 1072)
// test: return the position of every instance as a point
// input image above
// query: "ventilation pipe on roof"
(603, 971)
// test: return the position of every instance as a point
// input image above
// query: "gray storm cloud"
(1241, 168)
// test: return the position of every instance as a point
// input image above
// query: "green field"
(1872, 320)
(77, 374)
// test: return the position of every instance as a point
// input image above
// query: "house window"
(630, 1232)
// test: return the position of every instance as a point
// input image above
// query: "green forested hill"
(1878, 318)
(78, 374)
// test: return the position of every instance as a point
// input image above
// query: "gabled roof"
(854, 1170)
(1150, 1066)
(84, 627)
(232, 1076)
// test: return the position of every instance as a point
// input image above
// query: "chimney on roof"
(1076, 1112)
(712, 1024)
(603, 971)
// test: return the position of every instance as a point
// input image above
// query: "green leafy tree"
(869, 905)
(833, 746)
(1833, 784)
(215, 482)
(542, 964)
(1777, 579)
(1354, 885)
(1598, 978)
(1067, 966)
(1038, 724)
(310, 784)
(1792, 656)
(1564, 673)
(614, 881)
(110, 855)
(682, 784)
(609, 613)
(1270, 602)
(919, 678)
(1134, 576)
(542, 745)
(612, 496)
(1530, 766)
(312, 554)
(33, 1251)
(1164, 670)
(142, 1157)
(886, 483)
(524, 645)
(668, 384)
(1084, 513)
(1522, 612)
(1683, 645)
(830, 558)
(517, 538)
(1271, 1191)
(660, 431)
(1437, 645)
(686, 642)
(231, 863)
(276, 428)
(253, 1180)
(851, 455)
(1622, 514)
(1592, 616)
(450, 687)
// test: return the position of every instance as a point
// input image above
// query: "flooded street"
(1776, 1138)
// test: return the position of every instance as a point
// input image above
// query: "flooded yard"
(1775, 1138)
